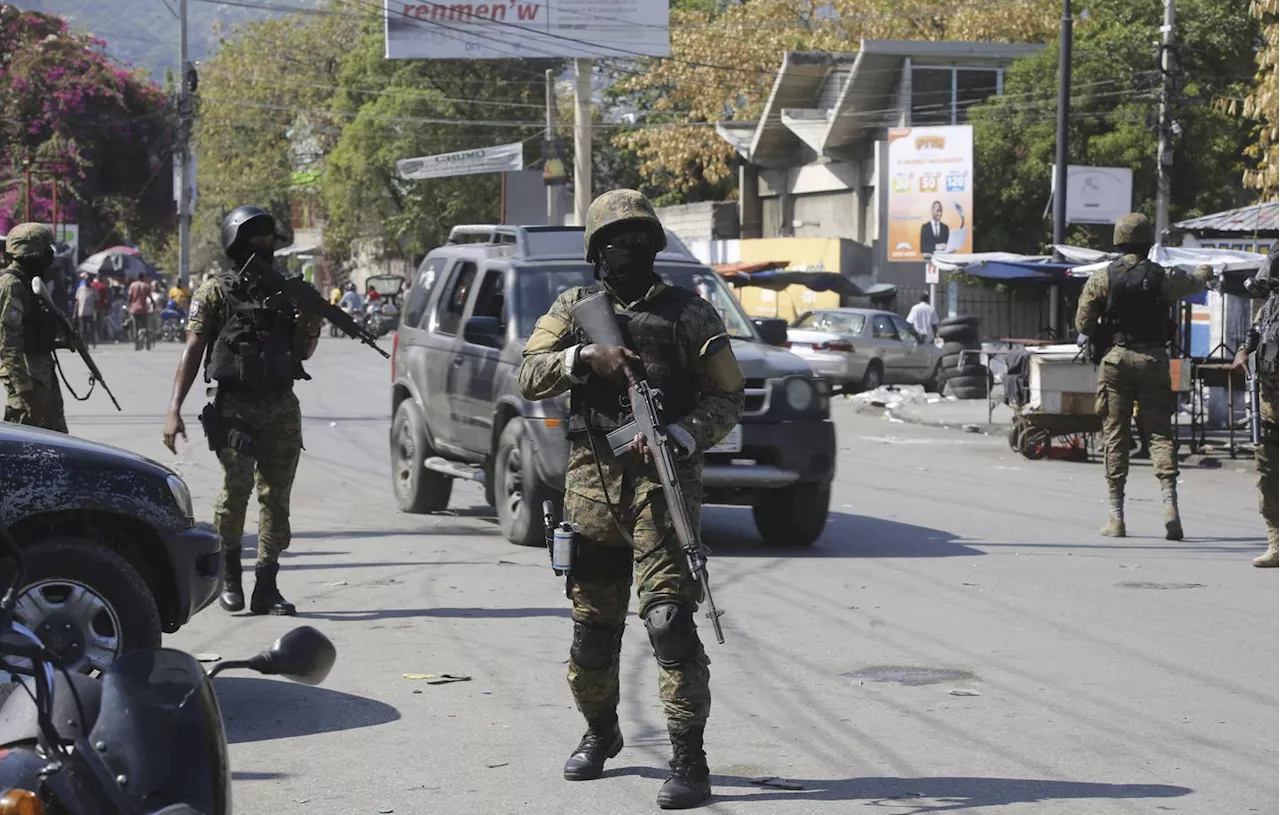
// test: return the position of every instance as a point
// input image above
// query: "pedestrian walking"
(617, 504)
(923, 318)
(86, 312)
(1126, 310)
(139, 308)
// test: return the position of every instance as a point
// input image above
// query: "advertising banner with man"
(930, 191)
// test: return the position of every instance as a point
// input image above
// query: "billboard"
(930, 191)
(526, 29)
(500, 159)
(1097, 195)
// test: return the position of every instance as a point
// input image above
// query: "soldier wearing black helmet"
(1128, 307)
(253, 345)
(617, 504)
(1262, 343)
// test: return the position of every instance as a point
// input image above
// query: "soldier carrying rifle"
(1257, 357)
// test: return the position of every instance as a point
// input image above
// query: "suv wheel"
(517, 488)
(792, 516)
(418, 490)
(86, 603)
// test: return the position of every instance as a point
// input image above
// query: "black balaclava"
(35, 265)
(626, 261)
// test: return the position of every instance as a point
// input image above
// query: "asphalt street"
(960, 640)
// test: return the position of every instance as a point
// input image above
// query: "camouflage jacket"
(22, 370)
(545, 373)
(1093, 300)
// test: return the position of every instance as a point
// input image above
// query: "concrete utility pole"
(183, 175)
(1060, 162)
(1164, 158)
(581, 138)
(553, 190)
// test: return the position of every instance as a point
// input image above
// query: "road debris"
(441, 679)
(964, 692)
(496, 766)
(777, 783)
(337, 583)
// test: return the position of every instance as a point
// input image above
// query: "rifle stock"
(307, 299)
(39, 289)
(596, 316)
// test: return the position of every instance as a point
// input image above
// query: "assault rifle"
(1251, 385)
(306, 299)
(596, 316)
(39, 289)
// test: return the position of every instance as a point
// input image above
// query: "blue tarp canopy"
(1021, 271)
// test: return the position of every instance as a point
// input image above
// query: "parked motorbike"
(173, 323)
(146, 738)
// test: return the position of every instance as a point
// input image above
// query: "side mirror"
(485, 331)
(772, 330)
(303, 655)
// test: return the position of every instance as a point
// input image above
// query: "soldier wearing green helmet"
(1126, 309)
(678, 342)
(28, 334)
(1262, 344)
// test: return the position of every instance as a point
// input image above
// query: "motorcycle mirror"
(303, 655)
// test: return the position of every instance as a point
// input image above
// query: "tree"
(725, 58)
(1263, 105)
(73, 115)
(1115, 76)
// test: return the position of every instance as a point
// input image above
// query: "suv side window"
(491, 301)
(416, 308)
(454, 298)
(882, 328)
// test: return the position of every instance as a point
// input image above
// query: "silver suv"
(457, 412)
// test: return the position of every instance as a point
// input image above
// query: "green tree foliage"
(98, 128)
(1115, 77)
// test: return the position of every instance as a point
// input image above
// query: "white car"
(862, 349)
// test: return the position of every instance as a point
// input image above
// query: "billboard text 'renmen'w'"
(930, 191)
(527, 29)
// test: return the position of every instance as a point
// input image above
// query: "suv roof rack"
(518, 237)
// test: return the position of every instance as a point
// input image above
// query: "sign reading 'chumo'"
(500, 159)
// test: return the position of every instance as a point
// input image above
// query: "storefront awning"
(1018, 271)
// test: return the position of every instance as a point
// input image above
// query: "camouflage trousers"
(263, 451)
(39, 407)
(661, 574)
(1129, 376)
(1268, 500)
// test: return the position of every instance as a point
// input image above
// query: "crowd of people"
(115, 310)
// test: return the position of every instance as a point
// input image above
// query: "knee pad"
(672, 634)
(594, 646)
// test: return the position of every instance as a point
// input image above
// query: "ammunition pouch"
(591, 561)
(211, 421)
(1102, 341)
(222, 432)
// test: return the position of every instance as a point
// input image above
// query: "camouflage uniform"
(274, 461)
(1136, 373)
(660, 570)
(32, 395)
(1265, 326)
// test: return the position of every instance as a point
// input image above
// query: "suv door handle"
(457, 361)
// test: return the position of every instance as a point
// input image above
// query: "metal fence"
(1021, 312)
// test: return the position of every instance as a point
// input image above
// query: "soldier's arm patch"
(548, 333)
(721, 365)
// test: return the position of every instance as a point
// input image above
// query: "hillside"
(145, 32)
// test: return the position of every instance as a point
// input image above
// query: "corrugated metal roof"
(1259, 218)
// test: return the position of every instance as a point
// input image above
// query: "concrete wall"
(709, 220)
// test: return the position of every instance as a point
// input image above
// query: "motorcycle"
(146, 738)
(173, 325)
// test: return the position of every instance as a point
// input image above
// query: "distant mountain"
(145, 33)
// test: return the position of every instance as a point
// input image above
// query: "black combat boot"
(266, 597)
(601, 742)
(690, 782)
(232, 597)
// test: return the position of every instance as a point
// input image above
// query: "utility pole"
(581, 138)
(553, 190)
(185, 77)
(1060, 160)
(1164, 158)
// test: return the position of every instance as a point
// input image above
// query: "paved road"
(1129, 676)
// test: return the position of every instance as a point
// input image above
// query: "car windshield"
(834, 321)
(541, 285)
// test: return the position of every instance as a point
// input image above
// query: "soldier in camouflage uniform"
(1128, 305)
(678, 341)
(253, 347)
(1263, 340)
(28, 335)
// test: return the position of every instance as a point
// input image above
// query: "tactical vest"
(39, 327)
(253, 353)
(652, 330)
(1136, 308)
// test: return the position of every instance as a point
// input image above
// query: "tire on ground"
(959, 320)
(951, 348)
(517, 488)
(966, 335)
(792, 516)
(418, 490)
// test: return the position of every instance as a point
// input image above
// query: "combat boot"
(689, 784)
(1272, 558)
(1114, 527)
(232, 597)
(601, 742)
(266, 597)
(1172, 521)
